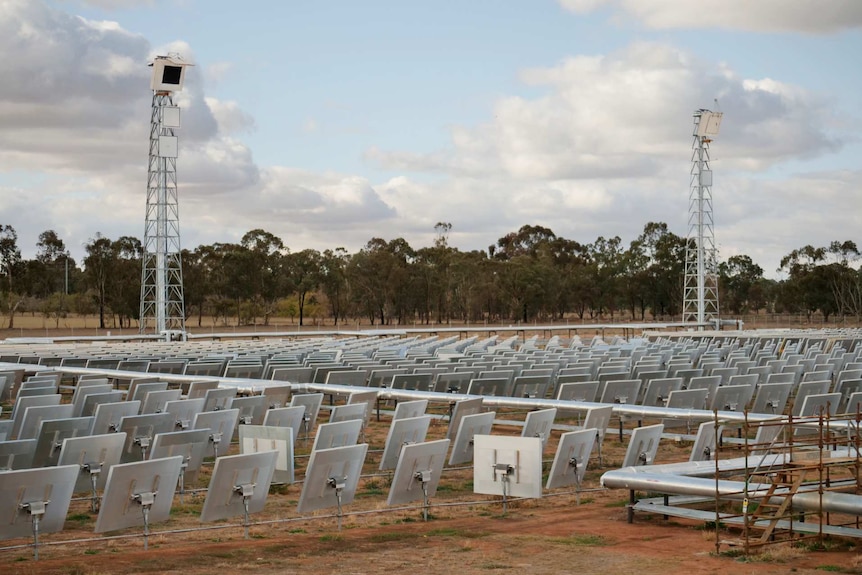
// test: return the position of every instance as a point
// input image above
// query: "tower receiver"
(162, 308)
(700, 293)
(169, 73)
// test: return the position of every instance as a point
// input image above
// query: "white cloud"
(77, 113)
(807, 16)
(230, 117)
(216, 72)
(602, 150)
(768, 219)
(303, 208)
(113, 4)
(624, 115)
(606, 149)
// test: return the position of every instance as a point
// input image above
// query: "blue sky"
(331, 122)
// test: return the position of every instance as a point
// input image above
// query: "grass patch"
(827, 544)
(185, 509)
(732, 553)
(375, 492)
(620, 503)
(78, 517)
(331, 537)
(393, 536)
(833, 568)
(586, 540)
(235, 554)
(281, 489)
(451, 532)
(373, 484)
(710, 526)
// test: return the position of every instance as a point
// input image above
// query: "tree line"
(527, 275)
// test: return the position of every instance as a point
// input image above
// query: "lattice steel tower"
(162, 307)
(700, 294)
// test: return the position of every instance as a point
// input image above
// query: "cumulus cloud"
(624, 115)
(766, 219)
(230, 117)
(304, 208)
(601, 150)
(606, 149)
(113, 4)
(77, 112)
(807, 16)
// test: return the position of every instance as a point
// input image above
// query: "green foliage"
(527, 275)
(583, 540)
(393, 536)
(331, 537)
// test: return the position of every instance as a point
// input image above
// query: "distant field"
(36, 325)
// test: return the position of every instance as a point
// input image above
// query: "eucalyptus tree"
(194, 283)
(112, 270)
(98, 267)
(264, 267)
(50, 271)
(473, 292)
(125, 293)
(333, 281)
(304, 272)
(606, 268)
(379, 276)
(822, 279)
(651, 272)
(738, 277)
(233, 274)
(432, 277)
(10, 266)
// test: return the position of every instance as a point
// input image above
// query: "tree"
(607, 266)
(10, 264)
(50, 271)
(846, 282)
(821, 278)
(379, 277)
(235, 281)
(738, 276)
(124, 288)
(526, 241)
(333, 281)
(304, 270)
(194, 283)
(663, 277)
(265, 269)
(98, 266)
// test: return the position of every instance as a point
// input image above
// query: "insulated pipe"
(735, 490)
(723, 466)
(255, 385)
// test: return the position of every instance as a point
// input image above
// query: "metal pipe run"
(252, 386)
(666, 483)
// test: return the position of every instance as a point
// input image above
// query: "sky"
(330, 122)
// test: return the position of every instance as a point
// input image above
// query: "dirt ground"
(466, 533)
